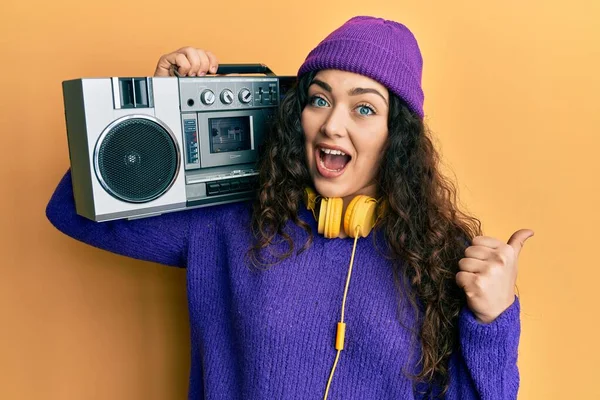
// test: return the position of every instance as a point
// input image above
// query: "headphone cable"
(341, 326)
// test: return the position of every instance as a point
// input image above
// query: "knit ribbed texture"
(383, 50)
(270, 334)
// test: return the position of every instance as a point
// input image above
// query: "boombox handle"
(244, 69)
(236, 69)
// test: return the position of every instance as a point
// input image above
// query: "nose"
(335, 123)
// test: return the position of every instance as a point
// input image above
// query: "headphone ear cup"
(333, 219)
(322, 215)
(330, 217)
(360, 213)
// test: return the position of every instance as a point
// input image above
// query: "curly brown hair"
(425, 232)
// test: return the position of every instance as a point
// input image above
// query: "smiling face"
(345, 128)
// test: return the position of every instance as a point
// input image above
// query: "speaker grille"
(137, 160)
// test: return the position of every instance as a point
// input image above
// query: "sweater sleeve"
(485, 367)
(162, 239)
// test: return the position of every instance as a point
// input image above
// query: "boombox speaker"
(137, 159)
(145, 146)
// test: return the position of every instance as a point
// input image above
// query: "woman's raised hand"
(188, 61)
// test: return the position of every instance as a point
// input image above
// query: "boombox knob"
(227, 96)
(245, 96)
(207, 97)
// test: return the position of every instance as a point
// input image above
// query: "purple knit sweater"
(270, 334)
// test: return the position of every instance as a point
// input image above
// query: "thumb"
(517, 240)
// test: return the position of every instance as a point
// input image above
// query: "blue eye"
(365, 110)
(318, 101)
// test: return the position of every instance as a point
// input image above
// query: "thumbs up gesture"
(488, 274)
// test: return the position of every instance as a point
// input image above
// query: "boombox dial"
(207, 97)
(227, 96)
(245, 96)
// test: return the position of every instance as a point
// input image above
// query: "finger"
(182, 63)
(517, 240)
(473, 265)
(213, 62)
(479, 252)
(204, 63)
(193, 58)
(465, 279)
(487, 241)
(163, 67)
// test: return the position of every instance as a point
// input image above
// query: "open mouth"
(332, 161)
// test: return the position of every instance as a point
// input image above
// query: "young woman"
(428, 303)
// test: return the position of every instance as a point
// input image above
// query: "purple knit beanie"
(383, 50)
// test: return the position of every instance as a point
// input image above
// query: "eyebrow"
(352, 92)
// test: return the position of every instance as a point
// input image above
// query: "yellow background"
(511, 94)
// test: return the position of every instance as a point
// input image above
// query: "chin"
(330, 189)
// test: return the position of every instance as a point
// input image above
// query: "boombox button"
(213, 188)
(235, 184)
(224, 187)
(244, 183)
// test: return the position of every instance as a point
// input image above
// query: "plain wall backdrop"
(511, 95)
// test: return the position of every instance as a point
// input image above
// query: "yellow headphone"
(360, 216)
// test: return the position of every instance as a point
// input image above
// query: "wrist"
(489, 318)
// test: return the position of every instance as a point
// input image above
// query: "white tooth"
(334, 152)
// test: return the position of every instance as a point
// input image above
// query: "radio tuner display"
(229, 134)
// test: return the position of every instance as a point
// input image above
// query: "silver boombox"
(145, 146)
